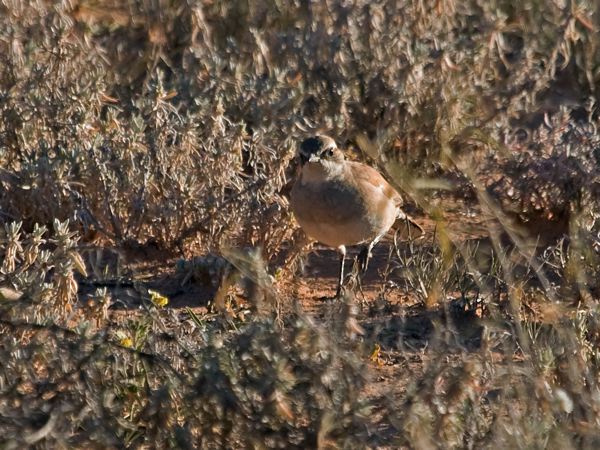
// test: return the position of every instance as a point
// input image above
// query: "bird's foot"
(363, 259)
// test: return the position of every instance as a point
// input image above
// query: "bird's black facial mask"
(310, 146)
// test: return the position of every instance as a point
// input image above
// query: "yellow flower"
(278, 273)
(159, 300)
(126, 342)
(376, 355)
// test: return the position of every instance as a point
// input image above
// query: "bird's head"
(320, 149)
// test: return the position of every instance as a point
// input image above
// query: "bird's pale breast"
(341, 210)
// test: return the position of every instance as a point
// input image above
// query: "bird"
(342, 203)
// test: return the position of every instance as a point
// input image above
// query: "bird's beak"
(304, 158)
(314, 158)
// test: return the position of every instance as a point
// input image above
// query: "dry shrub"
(41, 269)
(162, 122)
(206, 385)
(139, 167)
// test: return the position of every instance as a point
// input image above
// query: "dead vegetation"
(135, 133)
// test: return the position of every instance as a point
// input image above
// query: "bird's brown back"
(370, 178)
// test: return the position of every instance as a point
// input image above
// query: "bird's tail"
(406, 227)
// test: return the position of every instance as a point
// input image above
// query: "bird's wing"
(367, 176)
(407, 228)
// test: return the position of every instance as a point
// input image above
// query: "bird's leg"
(363, 258)
(342, 251)
(365, 254)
